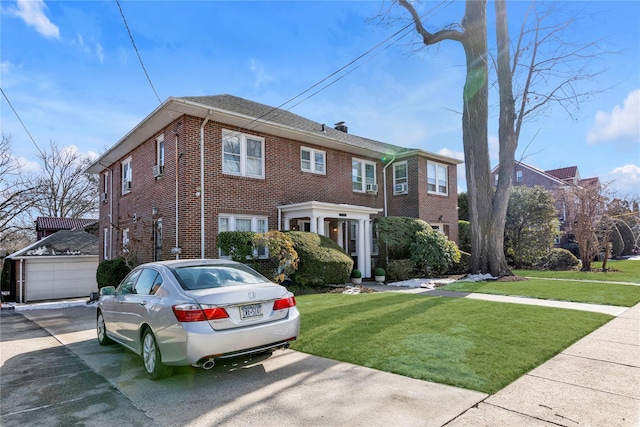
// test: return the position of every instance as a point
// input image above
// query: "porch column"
(287, 224)
(367, 250)
(360, 248)
(340, 236)
(313, 224)
(321, 225)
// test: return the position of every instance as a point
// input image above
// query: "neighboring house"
(46, 226)
(554, 180)
(197, 166)
(62, 265)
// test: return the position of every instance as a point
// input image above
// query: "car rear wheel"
(153, 366)
(101, 329)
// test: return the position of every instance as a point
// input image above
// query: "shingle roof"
(563, 173)
(287, 118)
(62, 243)
(53, 223)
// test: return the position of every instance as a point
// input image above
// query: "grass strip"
(477, 345)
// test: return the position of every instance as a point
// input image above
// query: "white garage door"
(60, 277)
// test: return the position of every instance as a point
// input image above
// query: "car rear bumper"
(190, 343)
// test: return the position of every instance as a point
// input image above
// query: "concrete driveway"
(45, 377)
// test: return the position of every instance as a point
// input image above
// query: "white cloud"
(261, 77)
(451, 153)
(626, 179)
(619, 125)
(32, 12)
(96, 49)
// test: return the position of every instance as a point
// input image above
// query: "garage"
(62, 265)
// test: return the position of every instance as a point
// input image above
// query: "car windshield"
(216, 276)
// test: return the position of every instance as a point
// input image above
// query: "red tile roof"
(52, 223)
(563, 173)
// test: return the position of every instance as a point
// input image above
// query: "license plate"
(248, 311)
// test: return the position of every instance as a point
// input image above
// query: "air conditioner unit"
(401, 188)
(104, 197)
(127, 185)
(158, 170)
(372, 188)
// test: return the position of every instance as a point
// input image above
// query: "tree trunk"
(487, 222)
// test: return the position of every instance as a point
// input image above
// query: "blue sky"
(70, 71)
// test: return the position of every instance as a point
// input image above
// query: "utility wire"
(21, 122)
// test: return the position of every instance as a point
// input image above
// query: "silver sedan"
(193, 312)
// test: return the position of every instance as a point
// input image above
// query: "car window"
(215, 276)
(146, 281)
(127, 285)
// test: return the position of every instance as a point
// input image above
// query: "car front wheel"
(153, 366)
(101, 329)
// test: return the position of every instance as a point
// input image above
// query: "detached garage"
(62, 265)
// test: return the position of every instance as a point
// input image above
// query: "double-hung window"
(127, 175)
(243, 223)
(242, 154)
(363, 176)
(437, 178)
(400, 178)
(312, 160)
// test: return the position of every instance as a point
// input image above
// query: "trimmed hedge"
(111, 272)
(561, 259)
(322, 261)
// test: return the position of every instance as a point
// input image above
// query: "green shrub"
(322, 261)
(396, 234)
(399, 270)
(464, 235)
(237, 244)
(462, 266)
(283, 258)
(356, 274)
(561, 259)
(111, 272)
(434, 252)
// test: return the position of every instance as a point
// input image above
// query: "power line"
(21, 122)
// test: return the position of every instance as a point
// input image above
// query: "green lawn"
(589, 292)
(467, 343)
(619, 271)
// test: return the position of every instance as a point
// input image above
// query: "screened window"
(312, 160)
(518, 176)
(400, 178)
(363, 175)
(242, 223)
(437, 178)
(242, 154)
(160, 153)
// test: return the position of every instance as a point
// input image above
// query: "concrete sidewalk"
(595, 382)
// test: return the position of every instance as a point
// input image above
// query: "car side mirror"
(107, 290)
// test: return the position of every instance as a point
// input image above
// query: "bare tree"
(542, 77)
(63, 188)
(16, 193)
(585, 208)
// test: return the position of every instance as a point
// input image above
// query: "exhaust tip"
(208, 364)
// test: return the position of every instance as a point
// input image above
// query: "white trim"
(127, 179)
(312, 163)
(363, 174)
(243, 141)
(403, 187)
(437, 178)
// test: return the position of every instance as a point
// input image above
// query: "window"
(400, 178)
(518, 176)
(148, 282)
(242, 154)
(437, 178)
(363, 175)
(159, 156)
(312, 160)
(127, 174)
(125, 240)
(243, 223)
(105, 243)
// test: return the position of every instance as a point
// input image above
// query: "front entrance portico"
(318, 212)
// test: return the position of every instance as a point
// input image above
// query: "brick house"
(554, 181)
(197, 166)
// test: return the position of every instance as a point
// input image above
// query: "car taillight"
(284, 303)
(197, 313)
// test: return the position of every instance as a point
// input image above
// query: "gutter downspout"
(21, 280)
(202, 245)
(177, 194)
(384, 181)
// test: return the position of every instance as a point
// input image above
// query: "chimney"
(341, 126)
